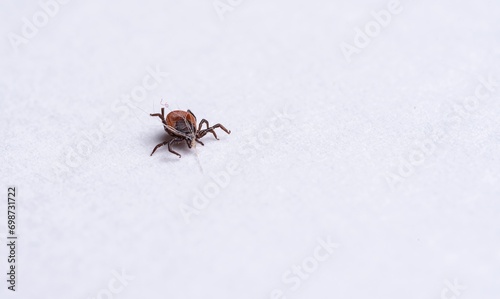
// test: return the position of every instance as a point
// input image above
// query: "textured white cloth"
(389, 156)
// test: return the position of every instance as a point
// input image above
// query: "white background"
(348, 166)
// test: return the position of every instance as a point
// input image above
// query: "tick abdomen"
(182, 121)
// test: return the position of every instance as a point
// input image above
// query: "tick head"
(191, 140)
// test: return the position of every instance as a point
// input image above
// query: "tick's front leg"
(170, 146)
(161, 116)
(203, 121)
(221, 127)
(206, 131)
(158, 146)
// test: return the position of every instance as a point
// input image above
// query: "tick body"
(182, 126)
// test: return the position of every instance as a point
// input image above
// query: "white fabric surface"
(325, 171)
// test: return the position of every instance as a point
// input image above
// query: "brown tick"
(182, 126)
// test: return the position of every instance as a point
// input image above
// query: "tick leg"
(211, 130)
(203, 121)
(206, 131)
(191, 113)
(158, 146)
(200, 142)
(170, 148)
(221, 127)
(162, 115)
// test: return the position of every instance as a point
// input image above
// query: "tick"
(182, 126)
